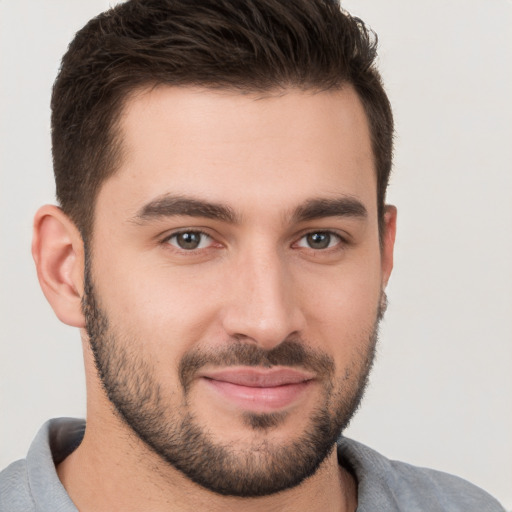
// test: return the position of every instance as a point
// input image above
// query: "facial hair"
(177, 437)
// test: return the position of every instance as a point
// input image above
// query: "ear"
(58, 252)
(388, 243)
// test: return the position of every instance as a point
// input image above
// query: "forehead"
(243, 149)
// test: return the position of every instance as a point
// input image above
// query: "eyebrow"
(170, 206)
(345, 206)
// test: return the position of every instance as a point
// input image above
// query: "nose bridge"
(263, 306)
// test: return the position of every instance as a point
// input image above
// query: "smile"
(259, 390)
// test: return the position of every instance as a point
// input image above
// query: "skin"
(264, 159)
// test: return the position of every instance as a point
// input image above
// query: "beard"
(173, 432)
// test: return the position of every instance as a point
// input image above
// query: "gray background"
(440, 393)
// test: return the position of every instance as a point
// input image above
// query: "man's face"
(235, 280)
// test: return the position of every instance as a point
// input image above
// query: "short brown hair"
(239, 45)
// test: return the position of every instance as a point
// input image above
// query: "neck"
(114, 470)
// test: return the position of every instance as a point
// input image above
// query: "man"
(224, 245)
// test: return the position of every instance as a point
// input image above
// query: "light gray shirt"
(32, 484)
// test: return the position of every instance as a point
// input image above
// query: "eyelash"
(202, 234)
(331, 234)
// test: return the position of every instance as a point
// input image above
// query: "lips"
(258, 389)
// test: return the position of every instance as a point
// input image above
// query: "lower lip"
(256, 399)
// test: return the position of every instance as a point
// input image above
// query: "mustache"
(290, 353)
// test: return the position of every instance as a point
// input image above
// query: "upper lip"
(258, 377)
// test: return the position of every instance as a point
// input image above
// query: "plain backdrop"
(440, 393)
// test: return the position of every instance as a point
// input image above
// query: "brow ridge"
(179, 205)
(172, 205)
(346, 206)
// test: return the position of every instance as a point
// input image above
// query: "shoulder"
(441, 490)
(14, 489)
(32, 484)
(388, 485)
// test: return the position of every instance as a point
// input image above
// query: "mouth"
(258, 390)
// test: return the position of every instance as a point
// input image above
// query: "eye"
(319, 240)
(190, 240)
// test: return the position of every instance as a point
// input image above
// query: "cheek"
(342, 306)
(166, 307)
(171, 308)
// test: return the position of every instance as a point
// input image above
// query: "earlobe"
(388, 243)
(57, 249)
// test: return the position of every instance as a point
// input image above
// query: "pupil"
(319, 240)
(189, 240)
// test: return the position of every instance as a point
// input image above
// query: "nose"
(263, 305)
